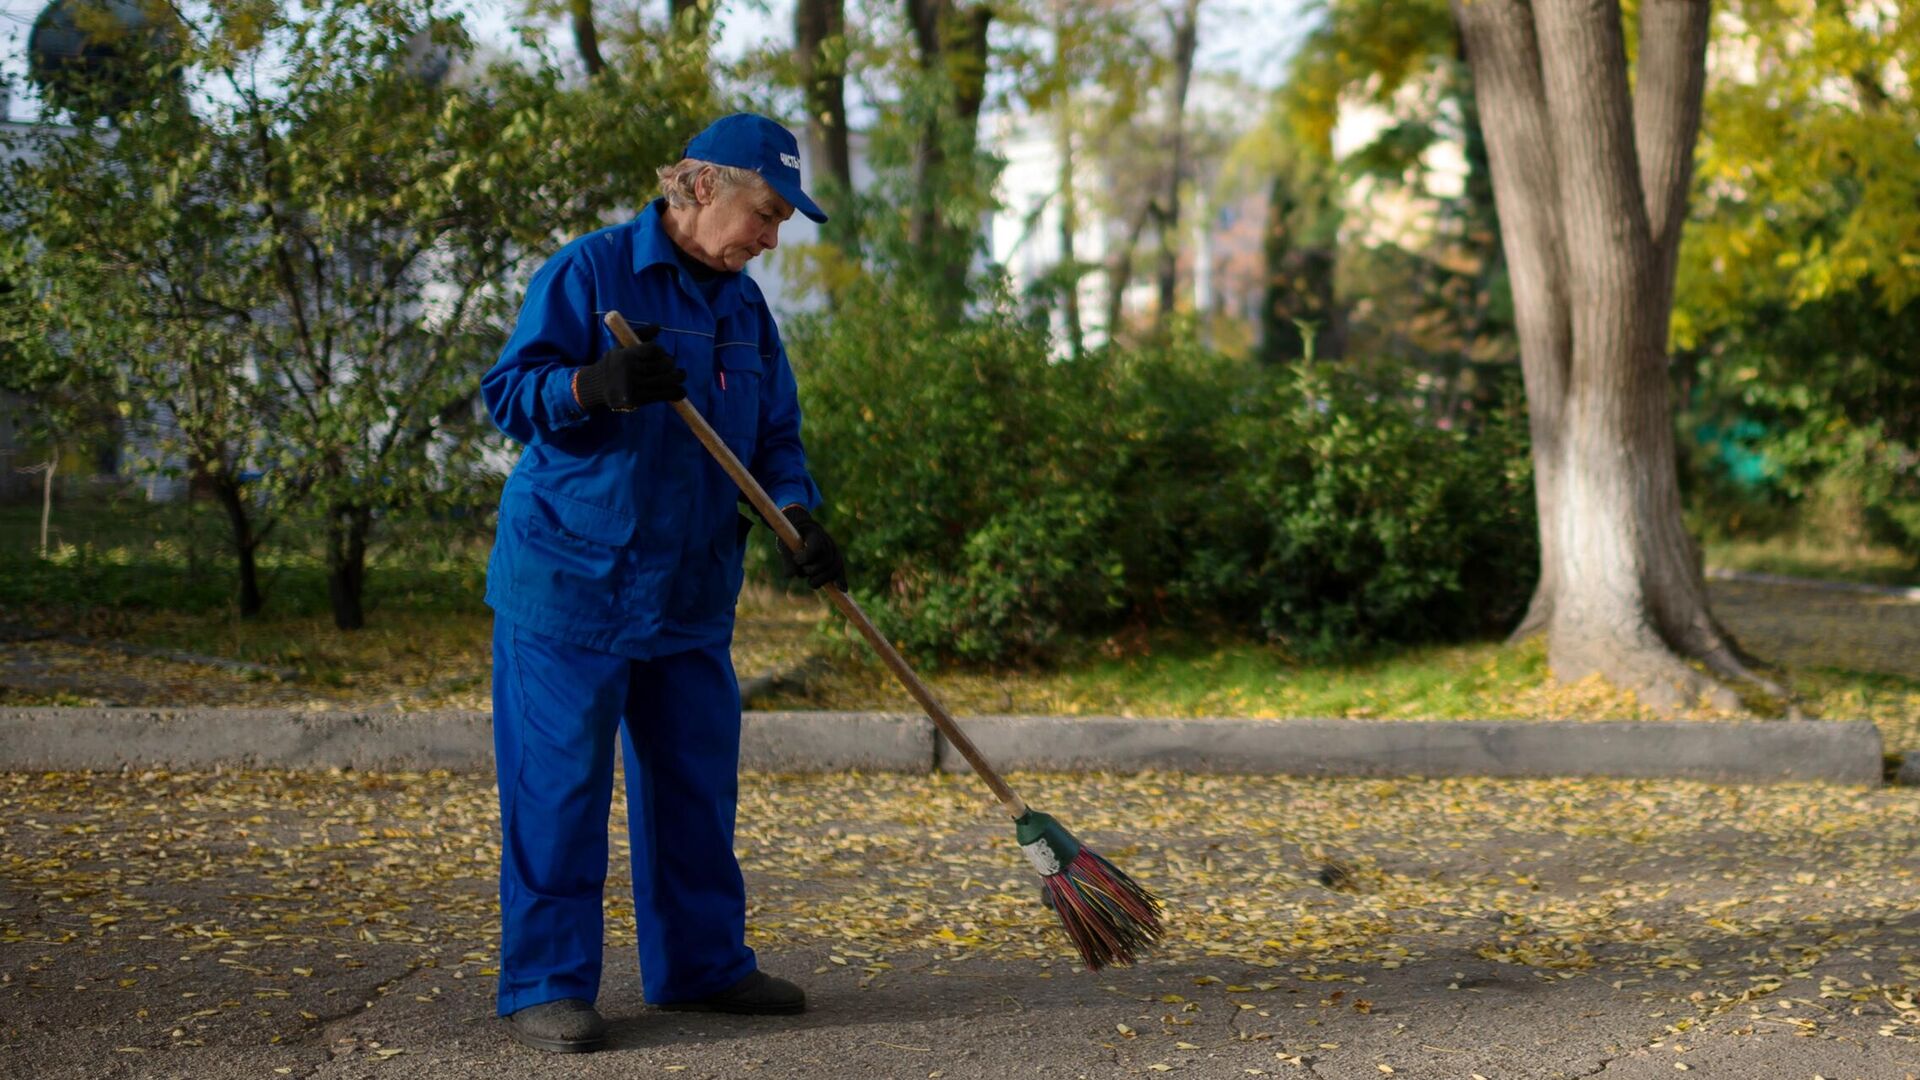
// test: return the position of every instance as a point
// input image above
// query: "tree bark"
(1480, 217)
(1276, 345)
(1120, 270)
(1300, 274)
(1069, 200)
(1186, 33)
(823, 88)
(952, 43)
(246, 543)
(1591, 186)
(347, 529)
(929, 19)
(586, 36)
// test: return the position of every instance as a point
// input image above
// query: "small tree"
(131, 311)
(303, 278)
(1798, 300)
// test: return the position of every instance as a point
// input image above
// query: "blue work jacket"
(618, 531)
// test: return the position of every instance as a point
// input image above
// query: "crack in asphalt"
(324, 1026)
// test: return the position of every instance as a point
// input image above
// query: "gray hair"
(676, 180)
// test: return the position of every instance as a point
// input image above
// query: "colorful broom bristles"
(1110, 918)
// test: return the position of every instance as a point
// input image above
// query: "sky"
(1247, 37)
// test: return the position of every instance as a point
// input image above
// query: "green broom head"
(1110, 918)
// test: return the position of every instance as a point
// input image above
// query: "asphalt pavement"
(336, 924)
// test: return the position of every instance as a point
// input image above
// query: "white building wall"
(1024, 235)
(776, 272)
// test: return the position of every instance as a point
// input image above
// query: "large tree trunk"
(347, 529)
(1480, 220)
(1186, 32)
(1505, 60)
(952, 44)
(586, 36)
(819, 33)
(1591, 187)
(1069, 198)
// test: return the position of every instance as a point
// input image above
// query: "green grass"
(1795, 556)
(159, 574)
(1239, 679)
(1845, 656)
(162, 574)
(121, 554)
(1180, 675)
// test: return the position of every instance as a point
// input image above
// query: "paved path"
(262, 924)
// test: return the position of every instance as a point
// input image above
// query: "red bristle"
(1106, 913)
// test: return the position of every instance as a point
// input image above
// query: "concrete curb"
(115, 738)
(1758, 752)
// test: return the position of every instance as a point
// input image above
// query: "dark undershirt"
(705, 278)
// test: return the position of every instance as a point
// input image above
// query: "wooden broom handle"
(790, 536)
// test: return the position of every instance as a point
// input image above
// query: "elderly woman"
(613, 582)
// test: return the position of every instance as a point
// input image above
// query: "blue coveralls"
(613, 581)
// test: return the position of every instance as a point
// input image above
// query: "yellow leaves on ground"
(1783, 900)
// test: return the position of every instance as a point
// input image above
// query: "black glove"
(819, 558)
(630, 376)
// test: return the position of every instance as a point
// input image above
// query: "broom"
(1107, 914)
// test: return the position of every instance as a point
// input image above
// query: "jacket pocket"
(584, 520)
(569, 555)
(737, 371)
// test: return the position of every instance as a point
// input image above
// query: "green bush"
(1826, 478)
(1865, 477)
(969, 477)
(1318, 507)
(997, 503)
(1821, 400)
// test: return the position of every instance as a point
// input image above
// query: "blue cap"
(757, 144)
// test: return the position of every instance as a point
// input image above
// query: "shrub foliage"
(997, 502)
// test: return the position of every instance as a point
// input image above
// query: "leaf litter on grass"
(402, 660)
(1848, 656)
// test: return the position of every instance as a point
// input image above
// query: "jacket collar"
(652, 247)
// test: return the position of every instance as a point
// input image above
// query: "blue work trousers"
(556, 707)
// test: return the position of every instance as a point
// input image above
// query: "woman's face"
(734, 225)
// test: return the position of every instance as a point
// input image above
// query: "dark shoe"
(759, 994)
(570, 1026)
